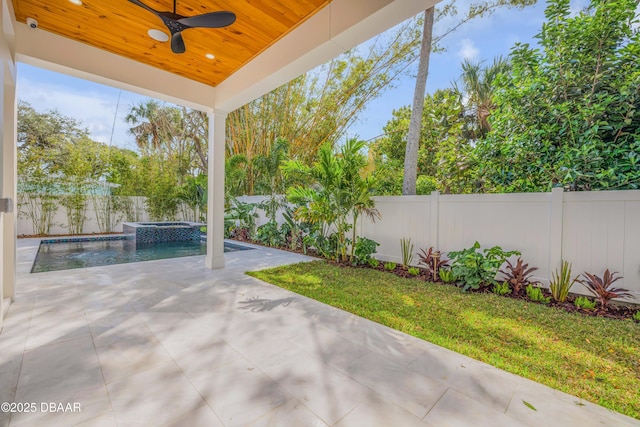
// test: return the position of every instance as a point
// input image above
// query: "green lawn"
(594, 358)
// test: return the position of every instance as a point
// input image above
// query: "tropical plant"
(501, 288)
(325, 246)
(535, 294)
(433, 261)
(414, 271)
(339, 193)
(270, 235)
(193, 193)
(295, 233)
(584, 303)
(243, 215)
(474, 268)
(561, 282)
(601, 287)
(406, 248)
(390, 266)
(365, 248)
(518, 276)
(478, 89)
(374, 263)
(446, 275)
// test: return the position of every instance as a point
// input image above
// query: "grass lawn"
(593, 358)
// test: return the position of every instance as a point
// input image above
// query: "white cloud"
(467, 49)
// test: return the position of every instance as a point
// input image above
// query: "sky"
(102, 109)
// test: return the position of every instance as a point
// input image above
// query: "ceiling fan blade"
(144, 6)
(177, 43)
(209, 20)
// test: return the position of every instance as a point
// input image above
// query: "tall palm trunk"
(415, 125)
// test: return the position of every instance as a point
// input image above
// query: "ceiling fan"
(176, 23)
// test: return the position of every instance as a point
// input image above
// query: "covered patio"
(194, 341)
(172, 343)
(222, 69)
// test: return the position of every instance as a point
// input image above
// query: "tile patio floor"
(169, 343)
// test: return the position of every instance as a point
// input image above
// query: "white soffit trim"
(47, 50)
(340, 26)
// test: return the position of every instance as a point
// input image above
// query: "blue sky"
(95, 105)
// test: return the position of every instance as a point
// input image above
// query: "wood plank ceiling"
(120, 27)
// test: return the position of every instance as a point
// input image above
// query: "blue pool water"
(73, 253)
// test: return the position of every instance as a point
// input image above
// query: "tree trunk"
(415, 125)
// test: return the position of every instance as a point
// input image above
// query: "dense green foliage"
(566, 113)
(593, 358)
(474, 268)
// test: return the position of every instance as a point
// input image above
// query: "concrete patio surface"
(169, 343)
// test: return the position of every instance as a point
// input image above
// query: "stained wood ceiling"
(120, 27)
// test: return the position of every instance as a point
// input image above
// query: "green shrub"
(327, 247)
(414, 271)
(501, 288)
(364, 249)
(535, 294)
(446, 275)
(585, 303)
(373, 262)
(269, 235)
(636, 316)
(474, 268)
(561, 282)
(390, 266)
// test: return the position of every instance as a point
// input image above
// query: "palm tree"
(477, 89)
(154, 126)
(339, 194)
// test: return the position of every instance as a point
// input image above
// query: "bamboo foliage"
(317, 108)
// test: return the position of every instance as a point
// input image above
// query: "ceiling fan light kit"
(158, 35)
(176, 23)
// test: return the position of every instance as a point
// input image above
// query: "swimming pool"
(67, 254)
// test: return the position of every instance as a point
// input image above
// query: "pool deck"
(169, 343)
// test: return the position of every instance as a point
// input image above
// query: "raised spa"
(153, 232)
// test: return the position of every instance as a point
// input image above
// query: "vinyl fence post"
(434, 218)
(555, 229)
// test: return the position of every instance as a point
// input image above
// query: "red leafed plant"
(518, 275)
(433, 261)
(601, 287)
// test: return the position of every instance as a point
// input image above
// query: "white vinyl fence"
(592, 230)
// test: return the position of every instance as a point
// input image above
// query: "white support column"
(8, 156)
(215, 200)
